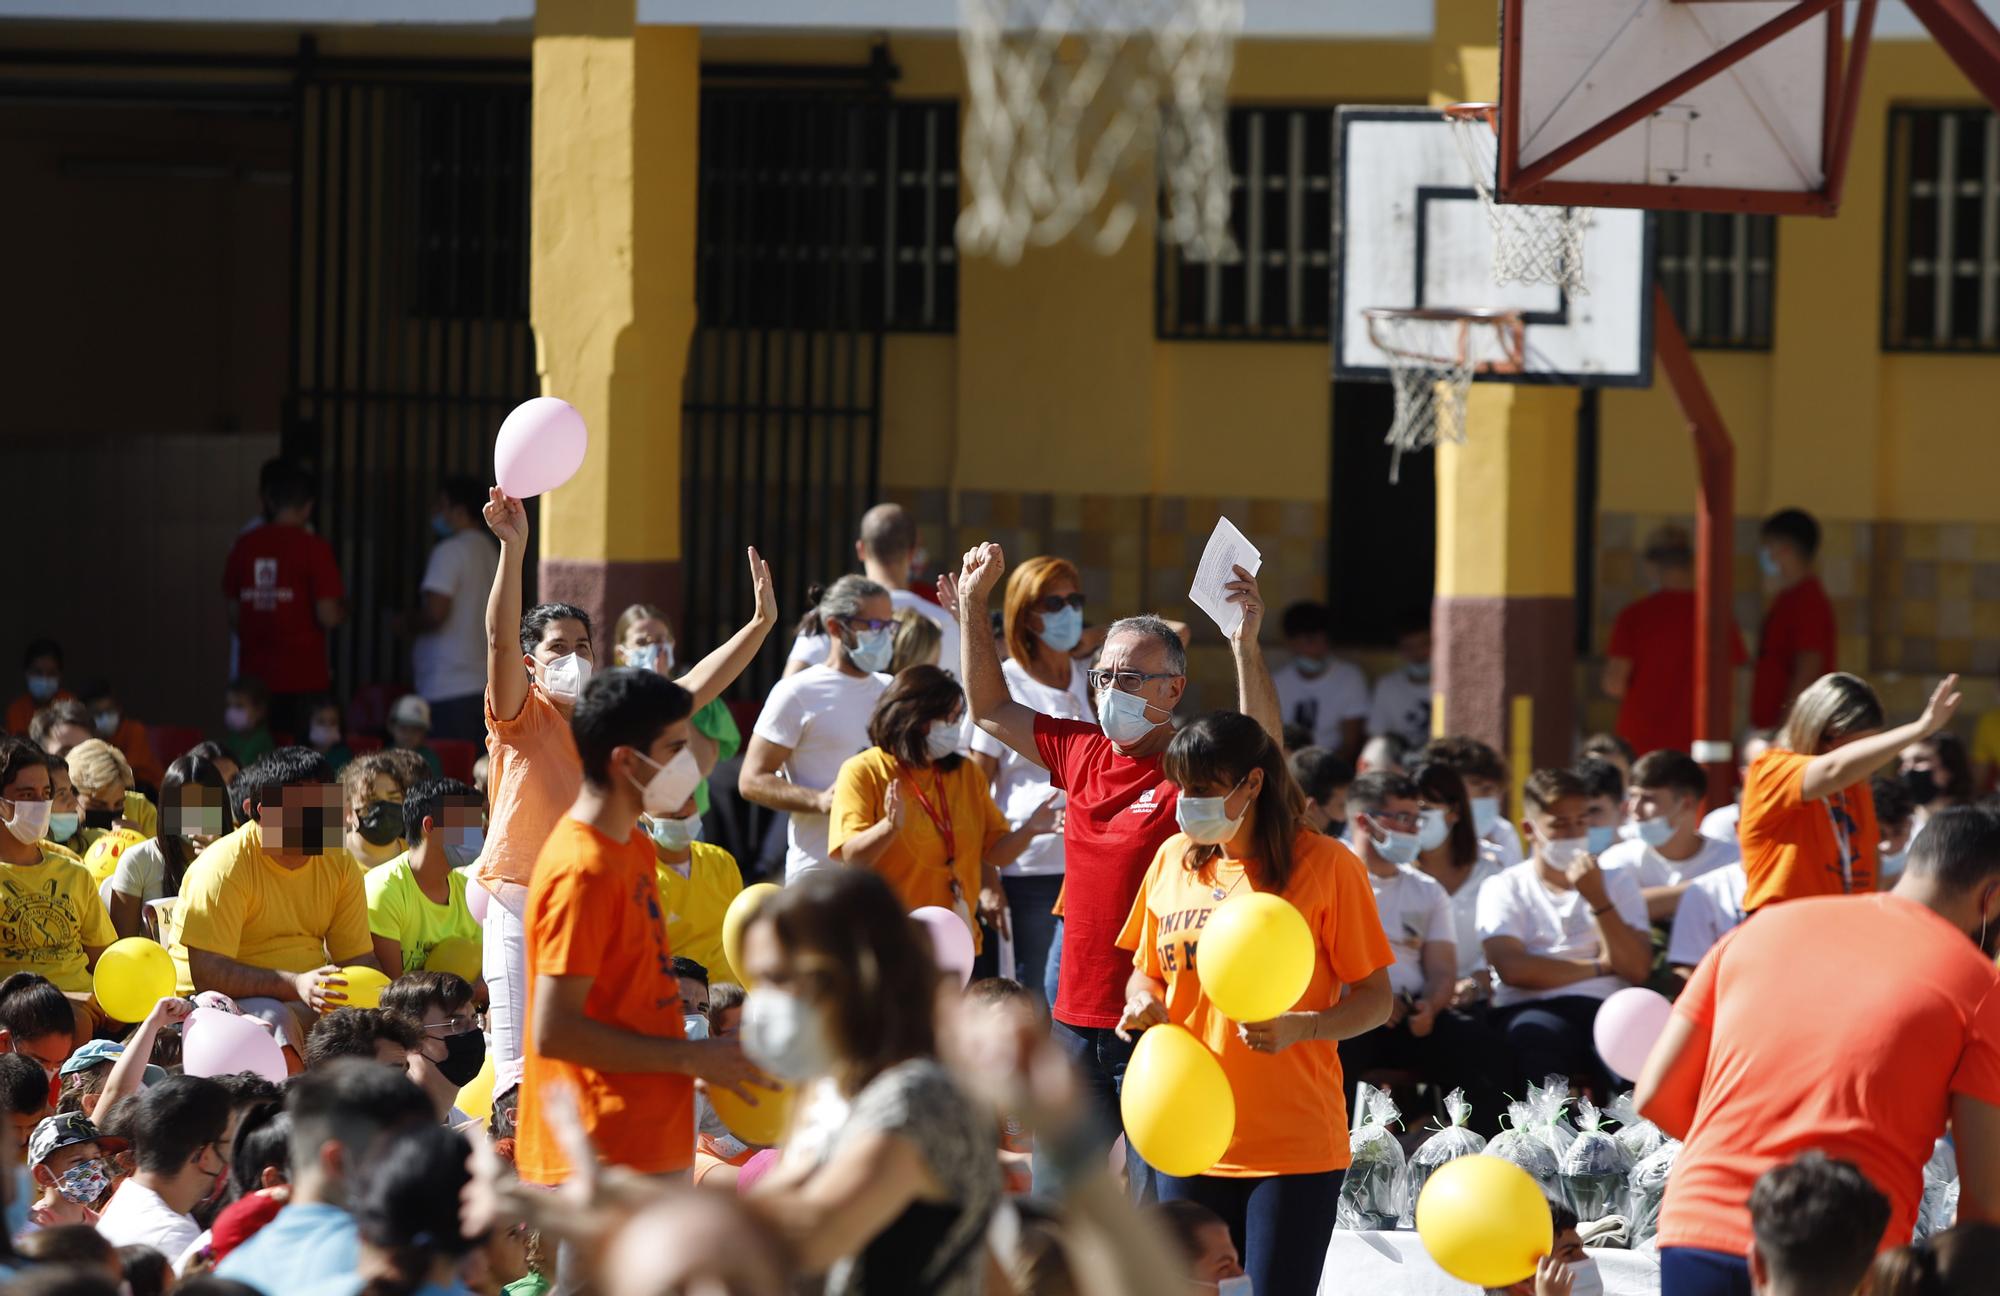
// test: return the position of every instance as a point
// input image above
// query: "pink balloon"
(477, 898)
(540, 447)
(1629, 1023)
(951, 940)
(216, 1043)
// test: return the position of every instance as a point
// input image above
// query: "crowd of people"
(533, 1034)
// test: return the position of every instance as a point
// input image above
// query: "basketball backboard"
(1671, 104)
(1410, 232)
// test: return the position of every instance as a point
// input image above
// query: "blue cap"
(103, 1051)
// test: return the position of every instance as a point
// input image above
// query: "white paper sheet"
(1227, 548)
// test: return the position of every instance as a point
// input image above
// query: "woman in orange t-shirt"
(1807, 824)
(1278, 1183)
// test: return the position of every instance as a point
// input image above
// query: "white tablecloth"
(1395, 1264)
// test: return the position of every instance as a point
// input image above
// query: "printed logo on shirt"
(1176, 948)
(1147, 803)
(264, 594)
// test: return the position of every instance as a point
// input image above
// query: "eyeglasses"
(864, 623)
(1054, 603)
(458, 1025)
(1403, 819)
(1126, 681)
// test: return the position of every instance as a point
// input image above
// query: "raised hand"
(978, 576)
(763, 593)
(947, 593)
(1244, 594)
(1942, 706)
(506, 517)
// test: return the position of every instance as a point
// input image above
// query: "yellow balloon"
(476, 1099)
(765, 1124)
(741, 910)
(132, 975)
(1485, 1221)
(1255, 957)
(458, 955)
(1179, 1111)
(364, 987)
(101, 860)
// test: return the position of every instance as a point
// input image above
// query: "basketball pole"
(1714, 548)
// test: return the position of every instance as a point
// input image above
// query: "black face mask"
(464, 1055)
(1335, 828)
(1921, 784)
(381, 823)
(99, 818)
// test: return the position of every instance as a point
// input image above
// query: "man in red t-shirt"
(285, 593)
(1649, 664)
(1121, 807)
(1856, 1025)
(1800, 638)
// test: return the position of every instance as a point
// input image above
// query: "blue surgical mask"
(1206, 820)
(466, 851)
(1062, 630)
(1602, 838)
(1892, 862)
(1768, 563)
(62, 827)
(872, 649)
(1431, 829)
(1485, 813)
(440, 526)
(1655, 832)
(1395, 847)
(674, 834)
(1419, 672)
(43, 687)
(1309, 665)
(25, 1192)
(652, 657)
(1122, 716)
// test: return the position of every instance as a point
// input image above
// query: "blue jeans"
(1100, 1058)
(1553, 1037)
(1687, 1271)
(1029, 900)
(1053, 977)
(1282, 1223)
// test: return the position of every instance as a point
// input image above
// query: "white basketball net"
(1537, 245)
(1431, 363)
(1069, 99)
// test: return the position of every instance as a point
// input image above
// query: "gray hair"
(842, 600)
(1832, 707)
(1152, 627)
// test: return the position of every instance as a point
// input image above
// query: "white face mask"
(1584, 1280)
(652, 657)
(30, 822)
(1122, 716)
(786, 1035)
(674, 834)
(325, 735)
(564, 678)
(1655, 832)
(1206, 820)
(1564, 851)
(941, 740)
(1485, 813)
(1431, 829)
(671, 785)
(1237, 1286)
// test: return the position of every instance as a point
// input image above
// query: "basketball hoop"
(1068, 100)
(1530, 244)
(1433, 354)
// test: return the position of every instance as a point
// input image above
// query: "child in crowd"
(24, 1088)
(409, 726)
(1895, 823)
(109, 721)
(246, 707)
(41, 672)
(373, 788)
(1612, 750)
(1324, 777)
(1567, 1268)
(325, 732)
(1604, 802)
(1485, 776)
(1206, 1247)
(1317, 690)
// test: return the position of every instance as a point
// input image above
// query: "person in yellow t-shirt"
(105, 795)
(914, 810)
(416, 901)
(1239, 812)
(270, 914)
(51, 920)
(697, 882)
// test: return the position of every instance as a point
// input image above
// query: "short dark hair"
(1561, 1219)
(1471, 758)
(24, 1086)
(1545, 787)
(31, 1007)
(285, 484)
(1296, 737)
(1372, 791)
(263, 1142)
(997, 990)
(690, 970)
(405, 1198)
(146, 1270)
(248, 1089)
(1959, 847)
(1602, 745)
(1675, 771)
(1600, 778)
(462, 491)
(252, 687)
(264, 780)
(624, 707)
(354, 1032)
(1306, 618)
(1320, 771)
(415, 993)
(425, 800)
(350, 1102)
(66, 1244)
(920, 697)
(1795, 525)
(535, 622)
(42, 647)
(178, 1116)
(1181, 1220)
(1817, 1223)
(16, 755)
(75, 1280)
(722, 996)
(1893, 802)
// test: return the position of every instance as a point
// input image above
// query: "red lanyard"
(940, 822)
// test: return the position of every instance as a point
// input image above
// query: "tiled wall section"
(1914, 600)
(1136, 553)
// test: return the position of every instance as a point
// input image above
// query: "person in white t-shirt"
(1382, 754)
(1669, 852)
(1043, 620)
(1720, 823)
(448, 658)
(1424, 1033)
(180, 1141)
(1454, 857)
(888, 541)
(1485, 776)
(815, 719)
(1316, 689)
(1563, 935)
(1402, 701)
(1710, 908)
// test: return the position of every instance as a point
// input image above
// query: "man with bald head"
(887, 544)
(1120, 803)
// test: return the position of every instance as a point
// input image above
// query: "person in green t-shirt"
(416, 901)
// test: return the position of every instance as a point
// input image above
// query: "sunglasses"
(1054, 603)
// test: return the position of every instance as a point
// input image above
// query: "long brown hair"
(920, 697)
(1957, 1262)
(1219, 750)
(866, 962)
(1025, 584)
(1442, 784)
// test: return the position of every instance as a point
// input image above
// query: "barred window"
(822, 212)
(1942, 289)
(1278, 285)
(1718, 271)
(469, 152)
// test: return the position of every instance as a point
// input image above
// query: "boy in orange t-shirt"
(604, 1006)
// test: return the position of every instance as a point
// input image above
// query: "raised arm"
(1847, 765)
(506, 681)
(1256, 695)
(707, 678)
(128, 1073)
(993, 707)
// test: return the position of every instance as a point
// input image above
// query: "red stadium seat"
(368, 709)
(457, 756)
(171, 742)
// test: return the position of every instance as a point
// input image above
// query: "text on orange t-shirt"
(594, 911)
(1793, 847)
(1291, 1113)
(534, 773)
(1838, 1024)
